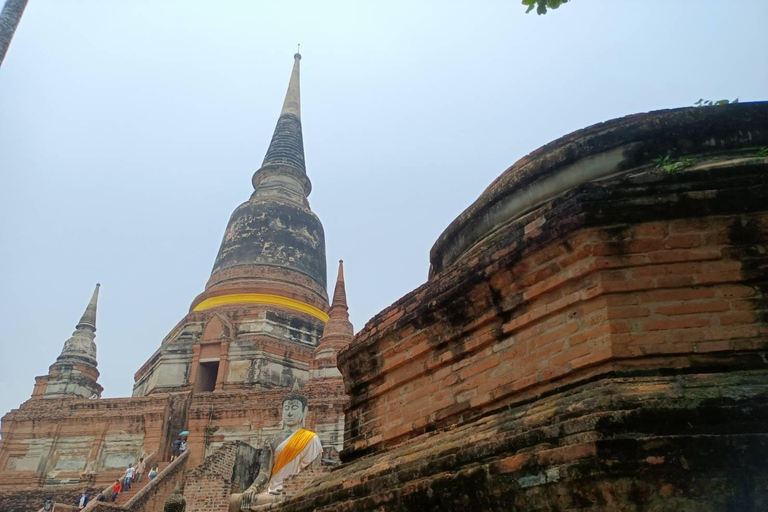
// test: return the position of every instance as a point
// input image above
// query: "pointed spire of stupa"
(339, 293)
(337, 334)
(89, 316)
(292, 103)
(287, 145)
(274, 243)
(74, 373)
(81, 345)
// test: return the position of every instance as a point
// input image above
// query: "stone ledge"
(652, 441)
(598, 151)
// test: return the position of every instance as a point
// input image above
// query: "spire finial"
(89, 316)
(292, 103)
(340, 293)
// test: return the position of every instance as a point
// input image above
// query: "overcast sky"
(129, 131)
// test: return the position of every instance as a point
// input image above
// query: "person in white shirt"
(128, 477)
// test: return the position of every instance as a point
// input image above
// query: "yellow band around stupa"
(262, 298)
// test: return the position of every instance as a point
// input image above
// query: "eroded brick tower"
(264, 307)
(255, 328)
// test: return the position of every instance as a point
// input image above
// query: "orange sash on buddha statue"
(295, 445)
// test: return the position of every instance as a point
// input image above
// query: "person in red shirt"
(116, 488)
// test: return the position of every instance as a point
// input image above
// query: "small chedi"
(284, 454)
(74, 373)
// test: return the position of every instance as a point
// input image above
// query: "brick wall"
(62, 442)
(232, 468)
(593, 337)
(30, 500)
(647, 443)
(297, 483)
(67, 508)
(540, 307)
(251, 417)
(106, 434)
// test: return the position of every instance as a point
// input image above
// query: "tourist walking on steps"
(153, 473)
(140, 467)
(128, 477)
(83, 501)
(116, 488)
(175, 447)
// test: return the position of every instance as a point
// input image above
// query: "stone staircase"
(124, 496)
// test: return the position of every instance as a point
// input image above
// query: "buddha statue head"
(294, 408)
(175, 502)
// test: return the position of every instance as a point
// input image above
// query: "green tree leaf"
(542, 5)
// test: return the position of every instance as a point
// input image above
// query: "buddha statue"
(284, 454)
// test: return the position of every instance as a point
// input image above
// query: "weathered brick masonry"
(66, 444)
(55, 442)
(592, 336)
(217, 418)
(230, 469)
(31, 500)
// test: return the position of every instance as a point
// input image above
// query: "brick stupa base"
(592, 337)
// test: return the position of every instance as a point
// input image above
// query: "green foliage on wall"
(671, 166)
(710, 103)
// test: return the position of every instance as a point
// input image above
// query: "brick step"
(296, 483)
(124, 496)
